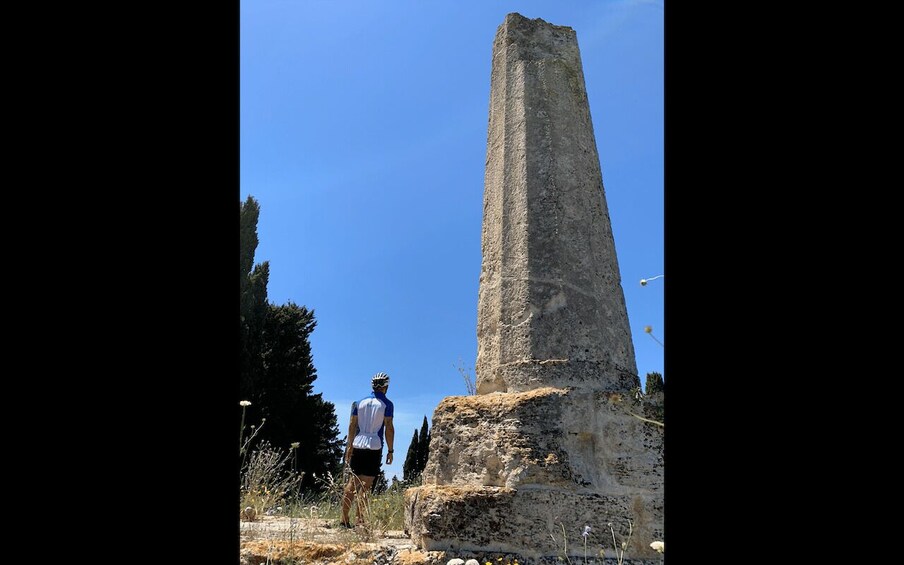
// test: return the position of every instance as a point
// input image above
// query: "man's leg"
(348, 496)
(364, 486)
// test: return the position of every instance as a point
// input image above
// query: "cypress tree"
(423, 447)
(277, 369)
(253, 308)
(654, 383)
(380, 484)
(410, 471)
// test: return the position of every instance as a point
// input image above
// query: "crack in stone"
(552, 282)
(533, 362)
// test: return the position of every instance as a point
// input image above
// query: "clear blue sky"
(363, 138)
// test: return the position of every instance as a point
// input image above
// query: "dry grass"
(318, 542)
(268, 481)
(279, 550)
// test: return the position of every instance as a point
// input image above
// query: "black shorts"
(366, 462)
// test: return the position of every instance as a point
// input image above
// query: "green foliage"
(285, 388)
(396, 485)
(253, 307)
(386, 512)
(423, 447)
(416, 459)
(249, 212)
(268, 480)
(654, 408)
(277, 367)
(287, 351)
(380, 484)
(410, 466)
(654, 383)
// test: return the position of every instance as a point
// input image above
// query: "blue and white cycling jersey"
(370, 413)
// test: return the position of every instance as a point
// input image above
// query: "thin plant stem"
(620, 551)
(565, 542)
(646, 420)
(655, 339)
(465, 374)
(244, 449)
(241, 430)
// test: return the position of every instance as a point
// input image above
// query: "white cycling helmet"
(379, 380)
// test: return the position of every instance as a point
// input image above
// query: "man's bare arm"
(390, 438)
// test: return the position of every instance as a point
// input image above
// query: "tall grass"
(268, 481)
(379, 514)
(271, 487)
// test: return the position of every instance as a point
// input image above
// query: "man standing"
(371, 420)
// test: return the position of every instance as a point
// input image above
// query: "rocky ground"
(272, 540)
(279, 540)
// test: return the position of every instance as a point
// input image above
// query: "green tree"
(277, 368)
(293, 411)
(653, 407)
(321, 449)
(410, 470)
(380, 485)
(289, 371)
(416, 458)
(423, 447)
(253, 308)
(654, 383)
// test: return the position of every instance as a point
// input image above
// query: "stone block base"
(536, 523)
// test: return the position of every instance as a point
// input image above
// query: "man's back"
(371, 412)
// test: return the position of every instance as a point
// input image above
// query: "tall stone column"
(551, 310)
(554, 440)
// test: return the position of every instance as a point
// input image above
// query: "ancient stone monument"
(556, 437)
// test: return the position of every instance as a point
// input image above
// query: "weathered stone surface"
(558, 436)
(500, 519)
(507, 469)
(548, 436)
(551, 310)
